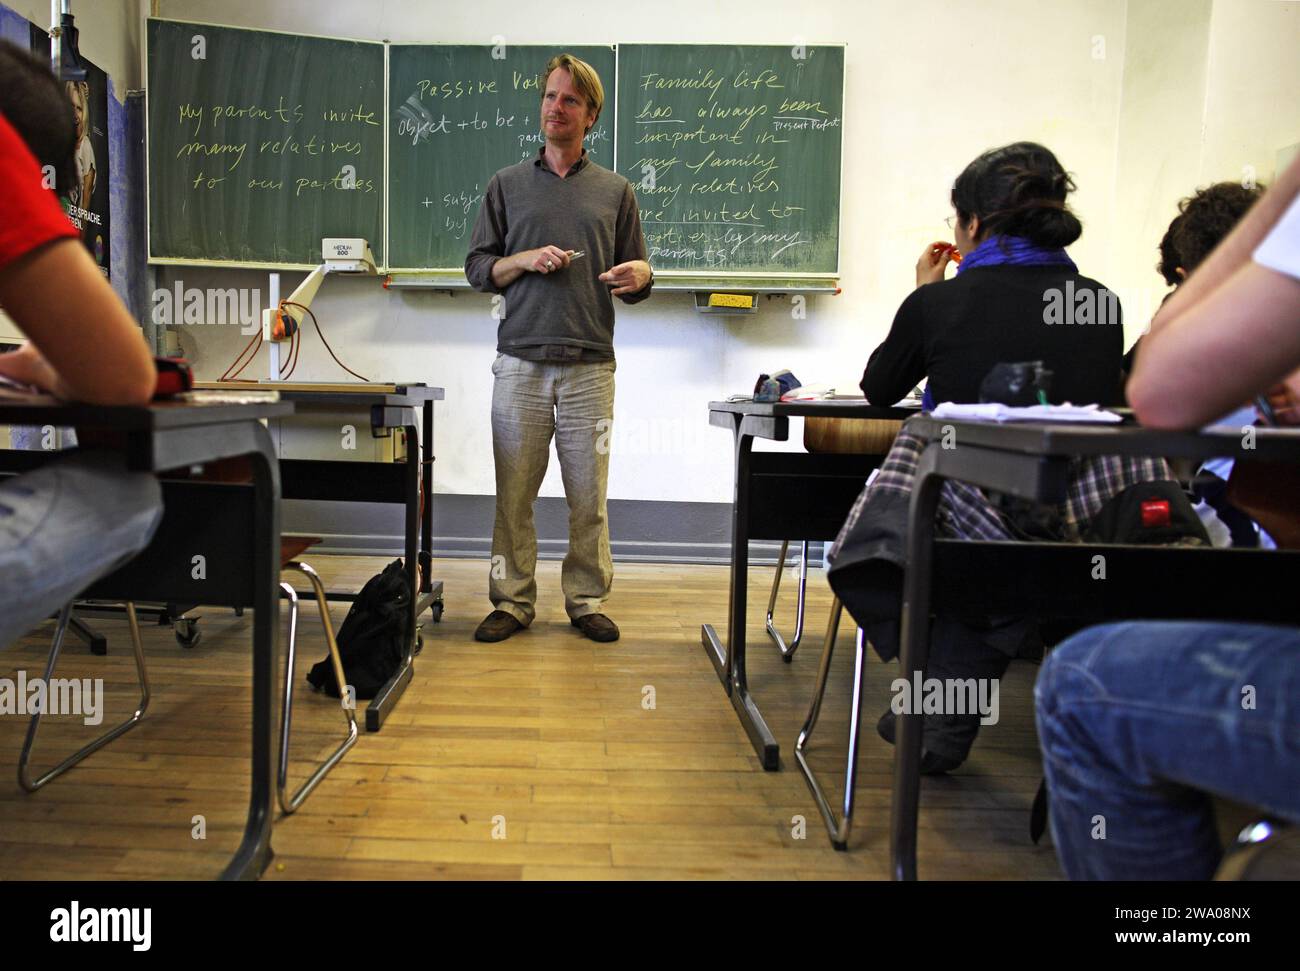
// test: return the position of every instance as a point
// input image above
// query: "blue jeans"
(1141, 722)
(64, 526)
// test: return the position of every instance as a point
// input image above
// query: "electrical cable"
(316, 324)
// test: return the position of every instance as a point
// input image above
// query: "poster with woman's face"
(87, 197)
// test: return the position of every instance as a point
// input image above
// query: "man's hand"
(27, 366)
(546, 259)
(933, 262)
(629, 277)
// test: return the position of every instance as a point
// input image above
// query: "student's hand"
(1283, 398)
(933, 262)
(27, 366)
(629, 277)
(546, 259)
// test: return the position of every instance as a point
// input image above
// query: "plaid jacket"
(968, 512)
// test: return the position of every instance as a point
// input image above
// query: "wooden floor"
(529, 759)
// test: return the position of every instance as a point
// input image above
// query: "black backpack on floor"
(373, 636)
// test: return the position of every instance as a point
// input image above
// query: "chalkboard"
(261, 143)
(456, 115)
(735, 155)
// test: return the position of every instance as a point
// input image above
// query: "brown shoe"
(497, 626)
(596, 626)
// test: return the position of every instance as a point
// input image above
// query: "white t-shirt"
(1280, 250)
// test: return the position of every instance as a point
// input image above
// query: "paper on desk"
(1087, 414)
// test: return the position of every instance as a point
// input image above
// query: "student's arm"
(896, 366)
(1247, 327)
(1234, 252)
(84, 344)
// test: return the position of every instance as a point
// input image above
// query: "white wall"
(1211, 93)
(930, 84)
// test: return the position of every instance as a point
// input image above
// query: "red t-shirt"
(29, 213)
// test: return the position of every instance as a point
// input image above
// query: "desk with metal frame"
(779, 496)
(236, 525)
(1030, 461)
(391, 406)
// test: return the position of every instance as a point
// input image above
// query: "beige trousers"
(533, 401)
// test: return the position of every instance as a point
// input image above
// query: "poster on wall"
(87, 198)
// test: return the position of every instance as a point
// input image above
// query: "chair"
(290, 548)
(837, 829)
(24, 759)
(290, 804)
(787, 650)
(844, 436)
(1265, 850)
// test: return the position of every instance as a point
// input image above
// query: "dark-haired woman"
(1017, 297)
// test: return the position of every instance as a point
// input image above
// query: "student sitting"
(1012, 223)
(76, 519)
(1142, 723)
(1203, 220)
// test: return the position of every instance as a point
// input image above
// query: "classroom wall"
(1141, 99)
(1210, 93)
(929, 85)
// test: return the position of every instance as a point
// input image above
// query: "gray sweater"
(526, 206)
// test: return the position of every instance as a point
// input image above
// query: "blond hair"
(585, 79)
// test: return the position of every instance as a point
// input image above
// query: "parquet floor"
(530, 759)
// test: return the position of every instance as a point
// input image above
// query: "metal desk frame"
(1028, 460)
(173, 436)
(778, 495)
(379, 482)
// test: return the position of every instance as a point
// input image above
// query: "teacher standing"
(554, 369)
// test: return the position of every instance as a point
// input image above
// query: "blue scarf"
(1006, 251)
(1013, 251)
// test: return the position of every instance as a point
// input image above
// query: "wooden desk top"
(314, 390)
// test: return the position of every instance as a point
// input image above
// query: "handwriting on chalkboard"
(282, 131)
(735, 159)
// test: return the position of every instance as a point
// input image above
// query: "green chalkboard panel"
(735, 155)
(457, 114)
(261, 144)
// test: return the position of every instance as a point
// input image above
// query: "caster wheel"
(239, 611)
(187, 632)
(435, 611)
(419, 643)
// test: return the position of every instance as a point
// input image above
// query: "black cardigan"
(956, 330)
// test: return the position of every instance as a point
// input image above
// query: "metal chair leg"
(787, 650)
(838, 830)
(24, 759)
(288, 803)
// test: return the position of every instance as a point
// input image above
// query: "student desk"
(1030, 460)
(390, 406)
(779, 496)
(235, 526)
